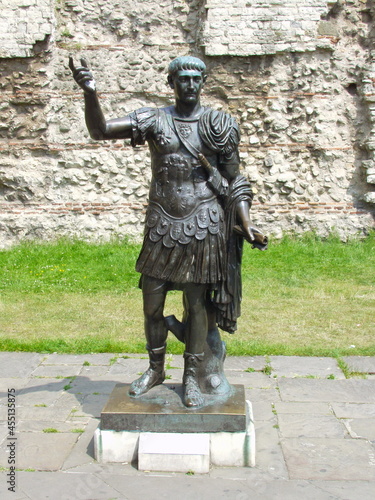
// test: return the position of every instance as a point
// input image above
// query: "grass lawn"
(300, 297)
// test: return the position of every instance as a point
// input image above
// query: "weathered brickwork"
(306, 114)
(369, 98)
(24, 24)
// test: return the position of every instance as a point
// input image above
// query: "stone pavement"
(315, 430)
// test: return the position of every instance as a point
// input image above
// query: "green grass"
(302, 296)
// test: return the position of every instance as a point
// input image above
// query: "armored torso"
(184, 232)
(179, 182)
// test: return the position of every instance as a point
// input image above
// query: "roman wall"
(297, 75)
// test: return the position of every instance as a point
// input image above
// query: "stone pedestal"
(159, 432)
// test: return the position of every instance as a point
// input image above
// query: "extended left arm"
(220, 184)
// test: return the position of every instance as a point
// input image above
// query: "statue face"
(187, 86)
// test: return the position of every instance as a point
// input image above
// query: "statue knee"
(153, 312)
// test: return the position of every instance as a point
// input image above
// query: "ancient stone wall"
(298, 76)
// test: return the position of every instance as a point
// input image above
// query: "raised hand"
(83, 76)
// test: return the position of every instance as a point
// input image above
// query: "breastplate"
(179, 181)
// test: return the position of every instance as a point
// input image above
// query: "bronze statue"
(196, 220)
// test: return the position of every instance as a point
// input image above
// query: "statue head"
(186, 63)
(186, 76)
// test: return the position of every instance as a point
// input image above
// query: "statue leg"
(195, 341)
(210, 369)
(154, 294)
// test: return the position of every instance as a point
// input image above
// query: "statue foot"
(193, 397)
(145, 382)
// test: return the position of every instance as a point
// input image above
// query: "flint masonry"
(298, 76)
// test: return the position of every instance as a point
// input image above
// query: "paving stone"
(3, 412)
(254, 380)
(361, 428)
(291, 490)
(271, 395)
(86, 385)
(10, 495)
(39, 391)
(83, 451)
(175, 360)
(353, 391)
(253, 474)
(361, 364)
(329, 459)
(65, 486)
(242, 363)
(79, 421)
(40, 425)
(298, 366)
(306, 425)
(269, 456)
(354, 410)
(68, 401)
(41, 451)
(18, 364)
(12, 383)
(173, 376)
(3, 429)
(92, 405)
(188, 488)
(78, 359)
(347, 490)
(56, 371)
(263, 411)
(49, 413)
(129, 366)
(307, 407)
(251, 380)
(94, 370)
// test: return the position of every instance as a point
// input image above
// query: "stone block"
(41, 451)
(329, 459)
(307, 425)
(56, 371)
(340, 391)
(353, 410)
(111, 446)
(18, 364)
(225, 448)
(162, 410)
(298, 366)
(369, 197)
(363, 428)
(361, 364)
(174, 452)
(327, 28)
(306, 407)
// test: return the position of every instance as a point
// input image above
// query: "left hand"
(248, 231)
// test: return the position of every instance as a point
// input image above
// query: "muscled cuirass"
(182, 205)
(178, 182)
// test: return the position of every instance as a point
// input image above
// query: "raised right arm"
(98, 127)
